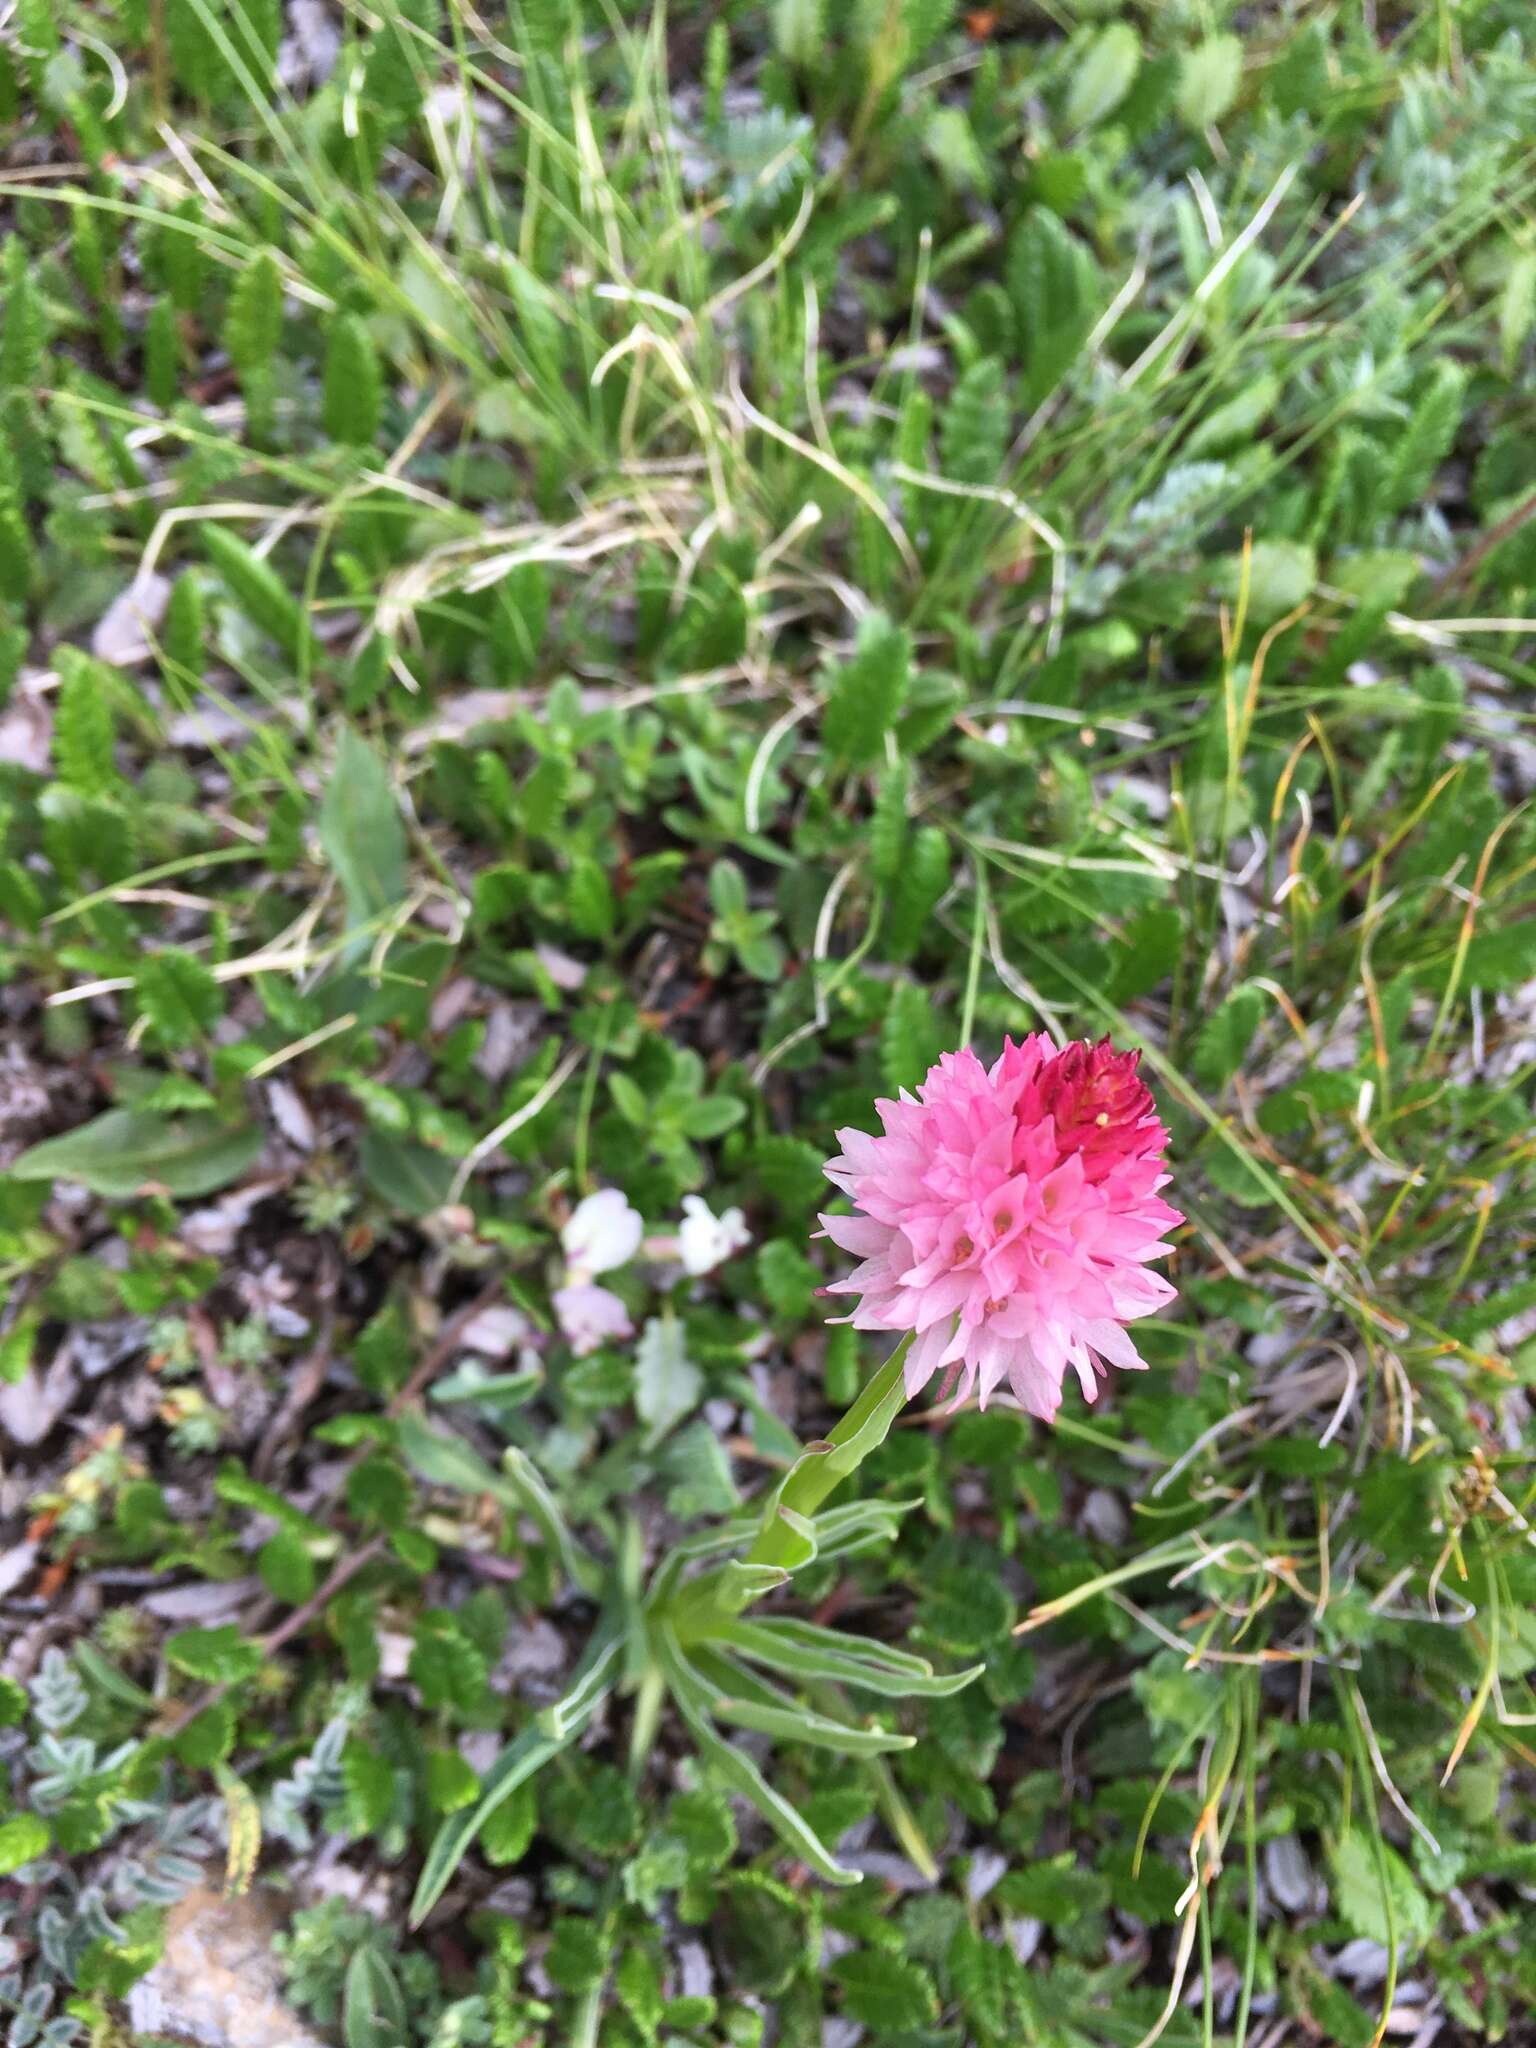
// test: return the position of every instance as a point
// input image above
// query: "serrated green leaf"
(179, 996)
(923, 880)
(451, 1783)
(286, 1567)
(1054, 286)
(84, 728)
(541, 801)
(253, 324)
(1299, 78)
(24, 323)
(601, 1813)
(162, 354)
(884, 1991)
(1499, 959)
(1362, 1893)
(786, 1279)
(510, 1828)
(589, 900)
(973, 427)
(1485, 1316)
(370, 1786)
(1428, 437)
(352, 404)
(638, 1983)
(1057, 1890)
(18, 557)
(577, 1955)
(888, 826)
(259, 591)
(983, 1975)
(911, 1036)
(865, 695)
(218, 1656)
(763, 1930)
(789, 1170)
(924, 22)
(1225, 1036)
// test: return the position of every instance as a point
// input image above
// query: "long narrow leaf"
(840, 1532)
(543, 1738)
(810, 1635)
(738, 1770)
(540, 1506)
(750, 1703)
(581, 1701)
(841, 1661)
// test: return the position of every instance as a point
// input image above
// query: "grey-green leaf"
(667, 1382)
(129, 1149)
(1209, 80)
(409, 1177)
(361, 830)
(446, 1460)
(1104, 76)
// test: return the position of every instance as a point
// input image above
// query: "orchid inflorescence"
(1005, 1219)
(1008, 1216)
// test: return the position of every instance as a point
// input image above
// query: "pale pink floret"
(589, 1316)
(1007, 1218)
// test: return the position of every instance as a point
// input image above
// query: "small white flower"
(705, 1240)
(603, 1232)
(589, 1316)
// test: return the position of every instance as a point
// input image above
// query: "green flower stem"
(823, 1466)
(700, 1608)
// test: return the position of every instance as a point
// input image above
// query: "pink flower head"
(1006, 1217)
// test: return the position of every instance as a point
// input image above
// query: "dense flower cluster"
(1006, 1218)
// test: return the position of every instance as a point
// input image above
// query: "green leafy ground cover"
(580, 594)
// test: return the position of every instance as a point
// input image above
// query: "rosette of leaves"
(687, 1638)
